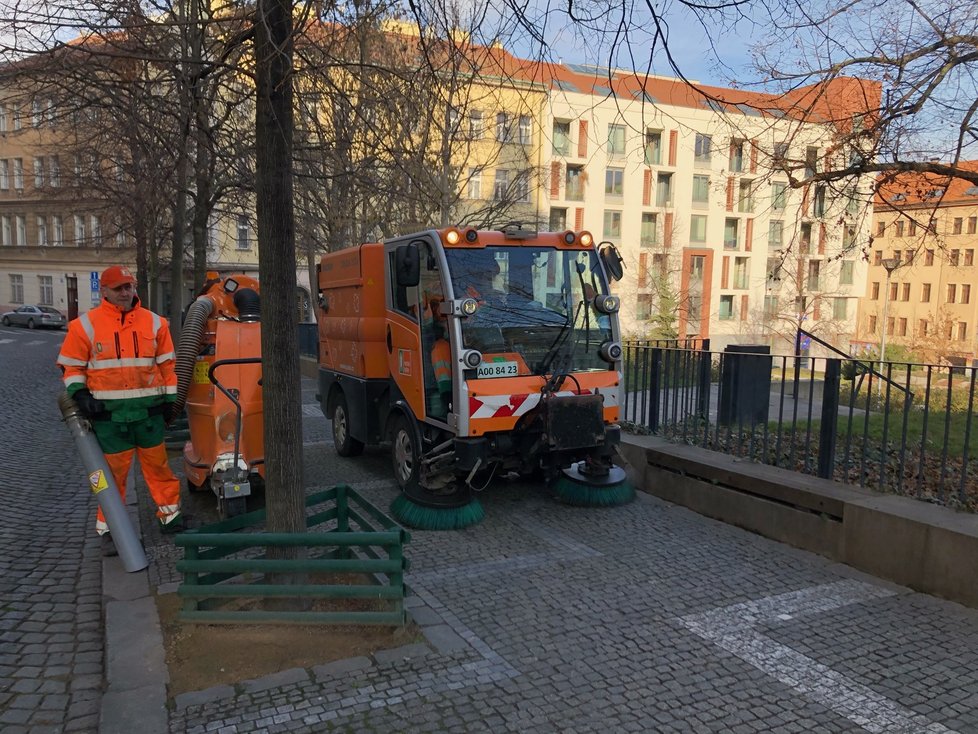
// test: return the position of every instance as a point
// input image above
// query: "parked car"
(34, 317)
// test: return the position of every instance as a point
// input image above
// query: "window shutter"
(743, 307)
(673, 145)
(643, 265)
(730, 193)
(753, 156)
(582, 139)
(579, 218)
(821, 238)
(555, 180)
(725, 271)
(647, 187)
(667, 231)
(749, 235)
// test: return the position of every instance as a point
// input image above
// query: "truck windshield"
(536, 312)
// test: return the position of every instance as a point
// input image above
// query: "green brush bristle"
(586, 495)
(420, 517)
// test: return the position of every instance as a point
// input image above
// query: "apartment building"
(922, 281)
(694, 193)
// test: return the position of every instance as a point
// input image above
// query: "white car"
(34, 317)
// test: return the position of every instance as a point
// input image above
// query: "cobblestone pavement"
(51, 635)
(546, 618)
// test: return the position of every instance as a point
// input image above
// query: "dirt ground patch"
(199, 656)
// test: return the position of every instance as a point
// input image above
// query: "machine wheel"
(6, 321)
(405, 453)
(232, 507)
(30, 323)
(345, 444)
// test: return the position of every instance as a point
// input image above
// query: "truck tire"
(405, 453)
(345, 444)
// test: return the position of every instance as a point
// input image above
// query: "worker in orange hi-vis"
(118, 364)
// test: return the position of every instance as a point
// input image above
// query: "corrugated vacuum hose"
(103, 487)
(194, 326)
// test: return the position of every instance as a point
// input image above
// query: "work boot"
(108, 546)
(172, 524)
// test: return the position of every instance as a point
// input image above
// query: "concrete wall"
(926, 547)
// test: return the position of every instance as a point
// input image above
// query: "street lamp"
(891, 264)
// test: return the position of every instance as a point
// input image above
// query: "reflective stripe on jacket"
(123, 358)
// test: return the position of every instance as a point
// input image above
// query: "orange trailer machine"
(219, 380)
(474, 353)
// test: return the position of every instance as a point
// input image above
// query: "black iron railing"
(905, 428)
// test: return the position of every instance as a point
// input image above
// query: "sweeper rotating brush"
(583, 489)
(421, 517)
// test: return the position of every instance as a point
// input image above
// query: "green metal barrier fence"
(356, 547)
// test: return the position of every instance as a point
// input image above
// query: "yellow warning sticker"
(200, 372)
(98, 481)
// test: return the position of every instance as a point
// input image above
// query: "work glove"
(87, 404)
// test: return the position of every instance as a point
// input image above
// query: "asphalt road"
(544, 618)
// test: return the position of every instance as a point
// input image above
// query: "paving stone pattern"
(544, 618)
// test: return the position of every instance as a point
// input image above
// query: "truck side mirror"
(612, 260)
(407, 261)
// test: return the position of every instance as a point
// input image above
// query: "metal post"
(655, 385)
(703, 398)
(890, 264)
(828, 430)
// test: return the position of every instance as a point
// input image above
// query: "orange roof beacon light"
(522, 374)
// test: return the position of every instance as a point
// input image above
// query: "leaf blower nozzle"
(103, 487)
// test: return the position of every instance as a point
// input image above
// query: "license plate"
(497, 369)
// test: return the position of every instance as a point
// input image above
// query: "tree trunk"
(274, 127)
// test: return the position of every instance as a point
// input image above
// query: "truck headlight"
(610, 351)
(607, 304)
(471, 358)
(469, 306)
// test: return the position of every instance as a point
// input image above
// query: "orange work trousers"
(162, 482)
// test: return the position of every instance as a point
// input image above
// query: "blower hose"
(190, 338)
(248, 303)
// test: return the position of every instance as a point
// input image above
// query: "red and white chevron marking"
(505, 406)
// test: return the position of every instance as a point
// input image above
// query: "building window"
(57, 231)
(38, 172)
(958, 225)
(476, 125)
(736, 155)
(79, 230)
(874, 293)
(561, 136)
(614, 181)
(880, 229)
(18, 120)
(18, 173)
(909, 256)
(5, 230)
(894, 287)
(912, 228)
(811, 161)
(697, 228)
(643, 306)
(500, 186)
(243, 234)
(16, 288)
(663, 189)
(775, 234)
(925, 293)
(54, 171)
(726, 308)
(965, 293)
(3, 118)
(502, 128)
(969, 257)
(955, 257)
(814, 275)
(818, 208)
(21, 222)
(730, 234)
(905, 292)
(42, 232)
(929, 257)
(4, 174)
(745, 199)
(701, 153)
(616, 140)
(701, 192)
(972, 225)
(558, 220)
(46, 285)
(740, 279)
(951, 292)
(474, 185)
(770, 306)
(653, 147)
(779, 196)
(901, 327)
(840, 308)
(525, 130)
(962, 331)
(899, 228)
(574, 183)
(872, 324)
(878, 257)
(612, 224)
(648, 230)
(846, 271)
(922, 327)
(890, 325)
(522, 187)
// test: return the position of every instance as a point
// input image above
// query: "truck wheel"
(345, 444)
(405, 454)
